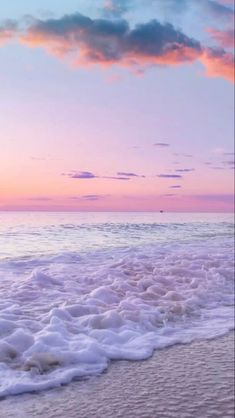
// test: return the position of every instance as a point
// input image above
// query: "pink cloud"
(83, 41)
(224, 38)
(88, 42)
(219, 64)
(7, 31)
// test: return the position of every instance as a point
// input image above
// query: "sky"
(117, 105)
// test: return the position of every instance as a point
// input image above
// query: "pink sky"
(113, 109)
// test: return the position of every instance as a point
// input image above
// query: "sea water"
(78, 290)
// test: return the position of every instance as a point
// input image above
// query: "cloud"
(82, 41)
(225, 165)
(120, 173)
(88, 175)
(219, 63)
(170, 176)
(177, 186)
(229, 164)
(184, 170)
(161, 144)
(7, 31)
(116, 178)
(218, 10)
(105, 42)
(93, 197)
(82, 175)
(176, 154)
(225, 38)
(89, 197)
(169, 195)
(116, 8)
(40, 198)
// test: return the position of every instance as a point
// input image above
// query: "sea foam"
(66, 316)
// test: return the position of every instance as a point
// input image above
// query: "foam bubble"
(66, 317)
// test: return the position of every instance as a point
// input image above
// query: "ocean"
(78, 290)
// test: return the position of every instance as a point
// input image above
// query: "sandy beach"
(186, 381)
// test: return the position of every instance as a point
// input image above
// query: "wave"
(69, 316)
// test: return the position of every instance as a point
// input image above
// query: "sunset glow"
(109, 106)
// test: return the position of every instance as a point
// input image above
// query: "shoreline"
(188, 381)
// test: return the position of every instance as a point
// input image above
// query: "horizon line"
(112, 211)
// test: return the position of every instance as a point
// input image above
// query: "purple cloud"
(184, 170)
(177, 154)
(40, 198)
(212, 7)
(88, 175)
(226, 165)
(92, 197)
(115, 178)
(169, 195)
(177, 186)
(161, 144)
(124, 174)
(217, 9)
(229, 162)
(82, 175)
(89, 197)
(170, 176)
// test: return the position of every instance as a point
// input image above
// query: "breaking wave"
(65, 316)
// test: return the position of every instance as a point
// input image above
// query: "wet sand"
(184, 381)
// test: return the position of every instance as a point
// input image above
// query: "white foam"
(68, 316)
